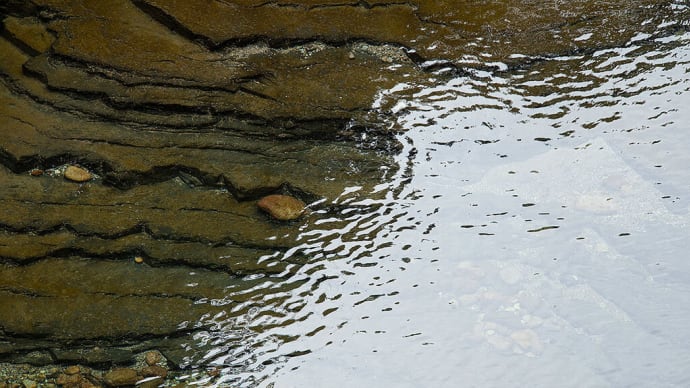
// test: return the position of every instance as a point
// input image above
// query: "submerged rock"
(72, 370)
(152, 358)
(77, 174)
(70, 380)
(121, 377)
(154, 371)
(282, 207)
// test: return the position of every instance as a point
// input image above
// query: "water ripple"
(521, 233)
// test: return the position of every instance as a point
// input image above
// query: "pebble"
(121, 377)
(77, 174)
(152, 358)
(72, 370)
(36, 172)
(138, 259)
(68, 380)
(282, 207)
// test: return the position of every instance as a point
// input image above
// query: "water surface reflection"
(536, 235)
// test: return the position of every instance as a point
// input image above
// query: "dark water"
(536, 235)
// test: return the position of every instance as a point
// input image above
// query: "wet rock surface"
(187, 120)
(172, 143)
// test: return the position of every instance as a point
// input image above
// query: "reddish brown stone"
(282, 207)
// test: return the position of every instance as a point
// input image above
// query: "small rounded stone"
(139, 260)
(282, 207)
(36, 172)
(152, 358)
(121, 377)
(72, 370)
(77, 174)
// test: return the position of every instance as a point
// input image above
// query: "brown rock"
(68, 380)
(36, 172)
(154, 370)
(77, 174)
(152, 358)
(282, 207)
(72, 370)
(121, 377)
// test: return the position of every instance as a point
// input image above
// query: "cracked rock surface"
(184, 116)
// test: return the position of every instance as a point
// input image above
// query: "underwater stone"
(121, 377)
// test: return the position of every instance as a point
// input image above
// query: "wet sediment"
(183, 121)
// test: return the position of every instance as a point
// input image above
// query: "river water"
(536, 234)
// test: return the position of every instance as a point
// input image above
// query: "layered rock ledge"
(184, 114)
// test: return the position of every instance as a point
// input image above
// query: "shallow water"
(536, 235)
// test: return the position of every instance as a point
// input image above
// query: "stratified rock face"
(172, 141)
(187, 114)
